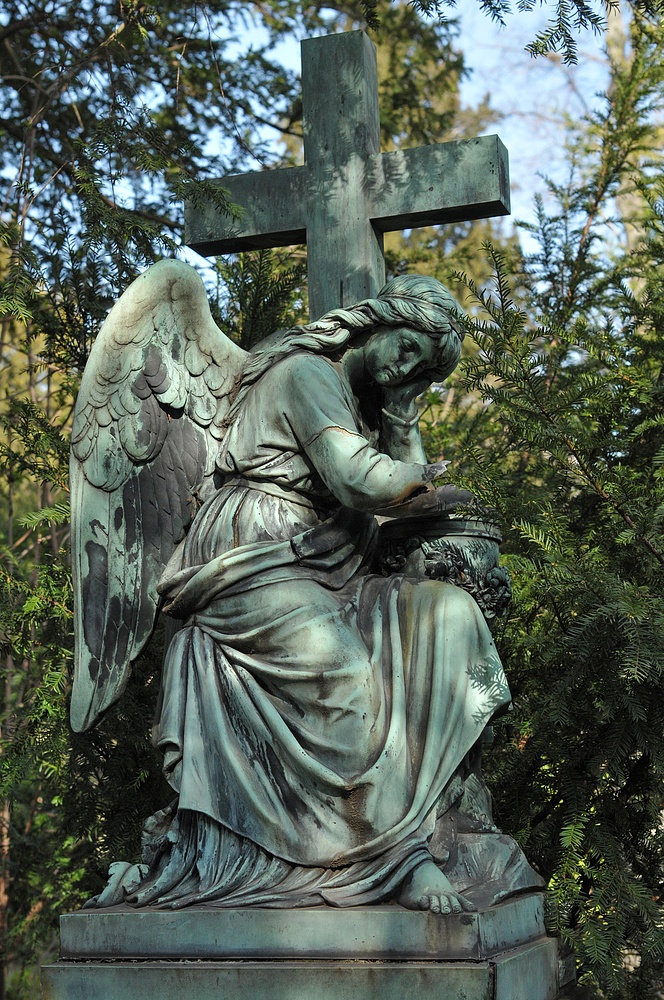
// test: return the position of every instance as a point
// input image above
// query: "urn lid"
(440, 526)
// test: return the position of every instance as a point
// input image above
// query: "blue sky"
(534, 97)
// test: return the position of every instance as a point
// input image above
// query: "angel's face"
(396, 354)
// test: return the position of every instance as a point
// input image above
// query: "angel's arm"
(361, 477)
(356, 473)
(400, 434)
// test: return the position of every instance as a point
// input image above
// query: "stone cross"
(348, 193)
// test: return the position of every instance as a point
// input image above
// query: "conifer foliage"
(558, 419)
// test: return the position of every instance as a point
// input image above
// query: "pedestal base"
(372, 953)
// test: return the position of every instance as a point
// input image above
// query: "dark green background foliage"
(109, 114)
(559, 419)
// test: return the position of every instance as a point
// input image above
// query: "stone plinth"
(372, 953)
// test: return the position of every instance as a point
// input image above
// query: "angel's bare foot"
(426, 888)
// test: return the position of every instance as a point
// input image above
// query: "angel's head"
(413, 328)
(413, 315)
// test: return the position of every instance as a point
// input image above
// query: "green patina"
(322, 713)
(323, 705)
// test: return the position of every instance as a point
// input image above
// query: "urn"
(458, 550)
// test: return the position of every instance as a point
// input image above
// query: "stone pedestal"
(372, 953)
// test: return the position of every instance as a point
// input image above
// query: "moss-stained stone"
(525, 974)
(357, 933)
(366, 953)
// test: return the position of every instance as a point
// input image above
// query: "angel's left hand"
(400, 399)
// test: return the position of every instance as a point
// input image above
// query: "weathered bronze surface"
(321, 714)
(459, 550)
(329, 674)
(367, 953)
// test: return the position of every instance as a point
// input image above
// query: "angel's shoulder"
(304, 370)
(308, 392)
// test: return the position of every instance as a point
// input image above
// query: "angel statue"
(315, 715)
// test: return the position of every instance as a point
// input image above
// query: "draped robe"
(313, 712)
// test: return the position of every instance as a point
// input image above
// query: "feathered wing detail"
(148, 423)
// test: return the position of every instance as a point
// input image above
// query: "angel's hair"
(417, 301)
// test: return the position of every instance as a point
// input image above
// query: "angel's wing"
(147, 426)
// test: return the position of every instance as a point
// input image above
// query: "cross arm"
(273, 204)
(432, 185)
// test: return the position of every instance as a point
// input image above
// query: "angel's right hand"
(435, 470)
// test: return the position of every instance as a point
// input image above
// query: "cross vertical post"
(341, 131)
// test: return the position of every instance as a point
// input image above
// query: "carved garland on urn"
(461, 551)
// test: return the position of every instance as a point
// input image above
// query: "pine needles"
(558, 423)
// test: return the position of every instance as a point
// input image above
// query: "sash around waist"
(274, 490)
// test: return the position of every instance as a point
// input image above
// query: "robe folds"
(313, 712)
